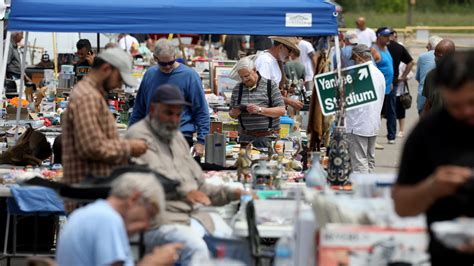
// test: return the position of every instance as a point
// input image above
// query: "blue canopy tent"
(262, 17)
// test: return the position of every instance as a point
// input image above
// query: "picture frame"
(223, 83)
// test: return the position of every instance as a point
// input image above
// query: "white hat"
(121, 60)
(351, 36)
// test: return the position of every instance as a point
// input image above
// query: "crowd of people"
(171, 115)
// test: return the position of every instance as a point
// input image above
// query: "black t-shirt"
(81, 69)
(436, 141)
(261, 42)
(399, 54)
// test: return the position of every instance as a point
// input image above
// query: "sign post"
(358, 85)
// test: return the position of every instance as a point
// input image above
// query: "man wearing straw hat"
(269, 63)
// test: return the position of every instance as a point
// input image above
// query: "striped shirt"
(90, 140)
(259, 97)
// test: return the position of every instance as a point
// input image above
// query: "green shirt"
(294, 70)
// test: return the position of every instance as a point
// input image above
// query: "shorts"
(401, 111)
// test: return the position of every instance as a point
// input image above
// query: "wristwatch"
(259, 110)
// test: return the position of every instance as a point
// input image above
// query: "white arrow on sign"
(363, 73)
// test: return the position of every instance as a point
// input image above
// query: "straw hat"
(290, 42)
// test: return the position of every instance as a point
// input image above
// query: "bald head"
(360, 23)
(444, 47)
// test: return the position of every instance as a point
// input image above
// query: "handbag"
(405, 98)
(31, 148)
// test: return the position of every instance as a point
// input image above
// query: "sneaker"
(379, 146)
(400, 134)
(392, 141)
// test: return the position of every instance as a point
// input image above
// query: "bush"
(400, 6)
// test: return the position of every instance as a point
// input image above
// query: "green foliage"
(399, 6)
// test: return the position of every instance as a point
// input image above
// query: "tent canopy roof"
(254, 17)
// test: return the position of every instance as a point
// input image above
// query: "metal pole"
(341, 92)
(22, 86)
(211, 75)
(3, 69)
(98, 42)
(410, 13)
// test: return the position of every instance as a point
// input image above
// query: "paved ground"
(387, 160)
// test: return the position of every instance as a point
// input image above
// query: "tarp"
(253, 17)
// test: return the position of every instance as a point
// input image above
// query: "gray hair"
(434, 40)
(146, 183)
(164, 47)
(247, 62)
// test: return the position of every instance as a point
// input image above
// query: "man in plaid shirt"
(90, 142)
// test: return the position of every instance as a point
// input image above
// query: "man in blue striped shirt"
(257, 103)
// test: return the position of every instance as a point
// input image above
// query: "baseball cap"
(351, 36)
(361, 50)
(169, 94)
(122, 61)
(384, 31)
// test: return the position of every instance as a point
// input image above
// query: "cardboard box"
(11, 113)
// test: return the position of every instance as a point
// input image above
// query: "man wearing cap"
(168, 154)
(90, 142)
(365, 35)
(384, 62)
(195, 118)
(350, 40)
(269, 64)
(363, 123)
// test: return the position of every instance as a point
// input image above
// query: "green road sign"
(359, 88)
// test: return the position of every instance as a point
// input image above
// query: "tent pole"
(341, 92)
(22, 86)
(98, 43)
(209, 57)
(3, 68)
(55, 56)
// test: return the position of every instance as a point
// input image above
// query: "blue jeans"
(194, 245)
(190, 235)
(420, 102)
(390, 103)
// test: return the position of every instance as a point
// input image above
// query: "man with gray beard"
(169, 155)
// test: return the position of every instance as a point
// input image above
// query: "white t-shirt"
(126, 43)
(366, 36)
(305, 49)
(267, 66)
(365, 121)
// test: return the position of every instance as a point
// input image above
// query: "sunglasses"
(170, 63)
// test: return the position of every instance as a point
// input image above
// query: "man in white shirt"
(309, 59)
(365, 35)
(363, 123)
(128, 43)
(268, 63)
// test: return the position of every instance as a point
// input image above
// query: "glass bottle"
(316, 176)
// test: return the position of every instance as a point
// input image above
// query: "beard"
(164, 130)
(282, 56)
